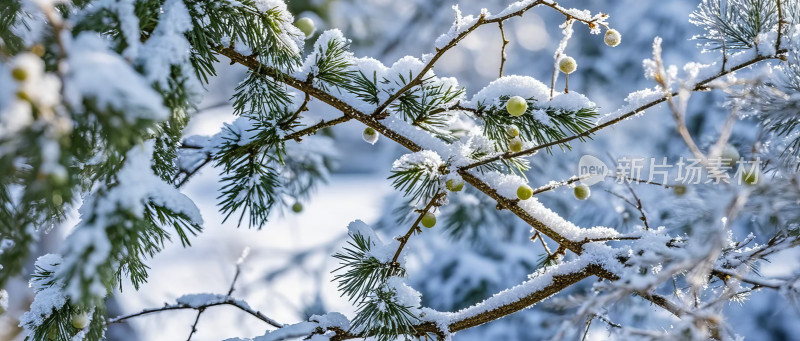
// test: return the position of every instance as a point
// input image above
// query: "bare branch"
(503, 48)
(229, 301)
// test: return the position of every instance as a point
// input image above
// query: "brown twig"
(303, 107)
(638, 206)
(415, 227)
(298, 135)
(503, 48)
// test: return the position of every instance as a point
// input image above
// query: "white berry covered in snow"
(516, 106)
(306, 25)
(612, 38)
(567, 64)
(515, 145)
(370, 135)
(80, 320)
(512, 130)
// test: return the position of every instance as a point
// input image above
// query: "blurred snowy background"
(468, 263)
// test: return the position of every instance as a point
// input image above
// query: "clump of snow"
(48, 297)
(199, 300)
(633, 101)
(168, 47)
(304, 330)
(380, 251)
(404, 295)
(333, 36)
(513, 85)
(97, 73)
(39, 88)
(291, 37)
(128, 23)
(506, 185)
(3, 300)
(331, 320)
(427, 160)
(511, 8)
(460, 25)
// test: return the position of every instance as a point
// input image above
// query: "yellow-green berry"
(80, 320)
(454, 185)
(582, 192)
(751, 177)
(512, 131)
(524, 192)
(297, 207)
(306, 25)
(516, 106)
(23, 96)
(515, 145)
(428, 220)
(19, 74)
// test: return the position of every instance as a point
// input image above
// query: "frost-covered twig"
(553, 184)
(223, 300)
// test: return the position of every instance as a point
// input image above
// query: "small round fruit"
(612, 38)
(582, 192)
(515, 145)
(751, 177)
(679, 190)
(19, 74)
(512, 130)
(297, 207)
(454, 185)
(516, 106)
(38, 50)
(370, 135)
(23, 96)
(730, 155)
(524, 192)
(306, 25)
(567, 64)
(428, 220)
(80, 320)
